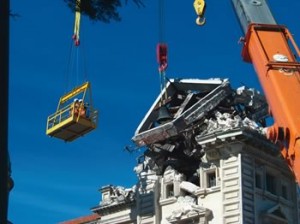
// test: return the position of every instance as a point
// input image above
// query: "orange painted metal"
(280, 80)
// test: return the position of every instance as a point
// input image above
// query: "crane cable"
(161, 54)
(73, 61)
(75, 36)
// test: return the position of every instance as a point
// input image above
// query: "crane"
(273, 52)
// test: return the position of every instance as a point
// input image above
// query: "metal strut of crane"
(75, 115)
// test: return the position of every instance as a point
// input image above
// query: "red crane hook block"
(161, 54)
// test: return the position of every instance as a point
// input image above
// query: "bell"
(163, 115)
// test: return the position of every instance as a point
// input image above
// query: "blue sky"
(57, 181)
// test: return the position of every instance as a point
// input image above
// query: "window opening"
(169, 190)
(284, 192)
(258, 181)
(270, 183)
(211, 179)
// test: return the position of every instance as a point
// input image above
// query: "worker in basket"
(75, 107)
(82, 109)
(79, 108)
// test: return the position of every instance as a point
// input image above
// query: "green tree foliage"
(100, 10)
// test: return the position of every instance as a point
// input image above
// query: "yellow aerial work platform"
(75, 115)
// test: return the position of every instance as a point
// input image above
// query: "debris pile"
(195, 108)
(146, 175)
(118, 195)
(186, 206)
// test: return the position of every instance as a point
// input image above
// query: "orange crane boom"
(271, 49)
(267, 47)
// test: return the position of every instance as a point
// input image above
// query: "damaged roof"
(190, 102)
(175, 128)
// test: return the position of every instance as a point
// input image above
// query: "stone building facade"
(208, 162)
(243, 180)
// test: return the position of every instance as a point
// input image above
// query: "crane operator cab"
(75, 115)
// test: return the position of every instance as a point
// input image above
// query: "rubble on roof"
(118, 195)
(225, 121)
(190, 103)
(195, 108)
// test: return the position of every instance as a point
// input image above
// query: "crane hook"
(200, 21)
(199, 6)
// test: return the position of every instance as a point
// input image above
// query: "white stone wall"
(230, 196)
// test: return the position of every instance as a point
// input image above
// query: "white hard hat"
(80, 100)
(75, 99)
